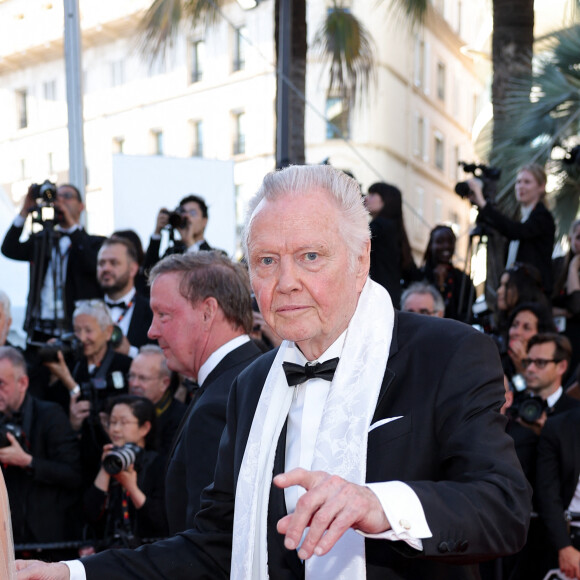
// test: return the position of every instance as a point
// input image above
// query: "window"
(118, 145)
(419, 61)
(197, 134)
(21, 108)
(419, 136)
(239, 133)
(337, 118)
(441, 81)
(439, 151)
(197, 60)
(117, 73)
(240, 45)
(49, 90)
(157, 142)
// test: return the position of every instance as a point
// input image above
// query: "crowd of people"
(115, 411)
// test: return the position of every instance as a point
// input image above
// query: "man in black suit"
(117, 266)
(392, 461)
(63, 262)
(193, 213)
(39, 455)
(201, 317)
(549, 355)
(150, 377)
(557, 491)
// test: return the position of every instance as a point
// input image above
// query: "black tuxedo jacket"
(558, 469)
(536, 237)
(450, 446)
(41, 497)
(81, 274)
(140, 322)
(193, 457)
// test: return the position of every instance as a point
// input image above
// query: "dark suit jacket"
(140, 322)
(41, 497)
(81, 273)
(558, 469)
(536, 237)
(152, 253)
(450, 446)
(193, 457)
(168, 422)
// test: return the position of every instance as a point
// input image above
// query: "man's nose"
(288, 279)
(153, 332)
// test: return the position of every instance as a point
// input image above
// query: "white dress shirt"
(122, 316)
(399, 502)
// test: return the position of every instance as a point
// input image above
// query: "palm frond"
(544, 113)
(160, 25)
(347, 46)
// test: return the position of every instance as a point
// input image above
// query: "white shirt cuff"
(76, 569)
(404, 512)
(133, 351)
(18, 221)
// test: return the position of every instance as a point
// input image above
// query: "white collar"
(126, 299)
(555, 397)
(218, 355)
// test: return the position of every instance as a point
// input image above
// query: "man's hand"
(162, 220)
(35, 570)
(78, 411)
(28, 203)
(476, 194)
(330, 506)
(569, 561)
(14, 454)
(537, 425)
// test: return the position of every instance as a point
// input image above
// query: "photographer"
(97, 374)
(190, 220)
(532, 238)
(126, 501)
(63, 259)
(39, 455)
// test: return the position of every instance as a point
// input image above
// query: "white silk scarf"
(340, 447)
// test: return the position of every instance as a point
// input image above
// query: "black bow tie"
(296, 374)
(116, 305)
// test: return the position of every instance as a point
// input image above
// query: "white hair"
(95, 308)
(298, 180)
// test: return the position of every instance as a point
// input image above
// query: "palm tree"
(345, 44)
(544, 109)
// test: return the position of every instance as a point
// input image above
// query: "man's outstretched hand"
(330, 506)
(35, 570)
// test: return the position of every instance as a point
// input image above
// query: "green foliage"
(345, 43)
(544, 113)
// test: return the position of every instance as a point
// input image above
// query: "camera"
(177, 219)
(488, 177)
(120, 458)
(68, 344)
(46, 192)
(7, 427)
(528, 407)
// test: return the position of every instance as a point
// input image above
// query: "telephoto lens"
(120, 458)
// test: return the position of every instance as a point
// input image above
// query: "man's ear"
(562, 367)
(209, 309)
(363, 265)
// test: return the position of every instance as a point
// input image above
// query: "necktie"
(296, 374)
(116, 305)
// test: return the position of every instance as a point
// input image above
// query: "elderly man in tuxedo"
(369, 445)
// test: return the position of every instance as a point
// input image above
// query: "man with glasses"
(150, 377)
(547, 362)
(68, 263)
(423, 298)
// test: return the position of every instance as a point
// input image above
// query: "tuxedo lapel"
(283, 564)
